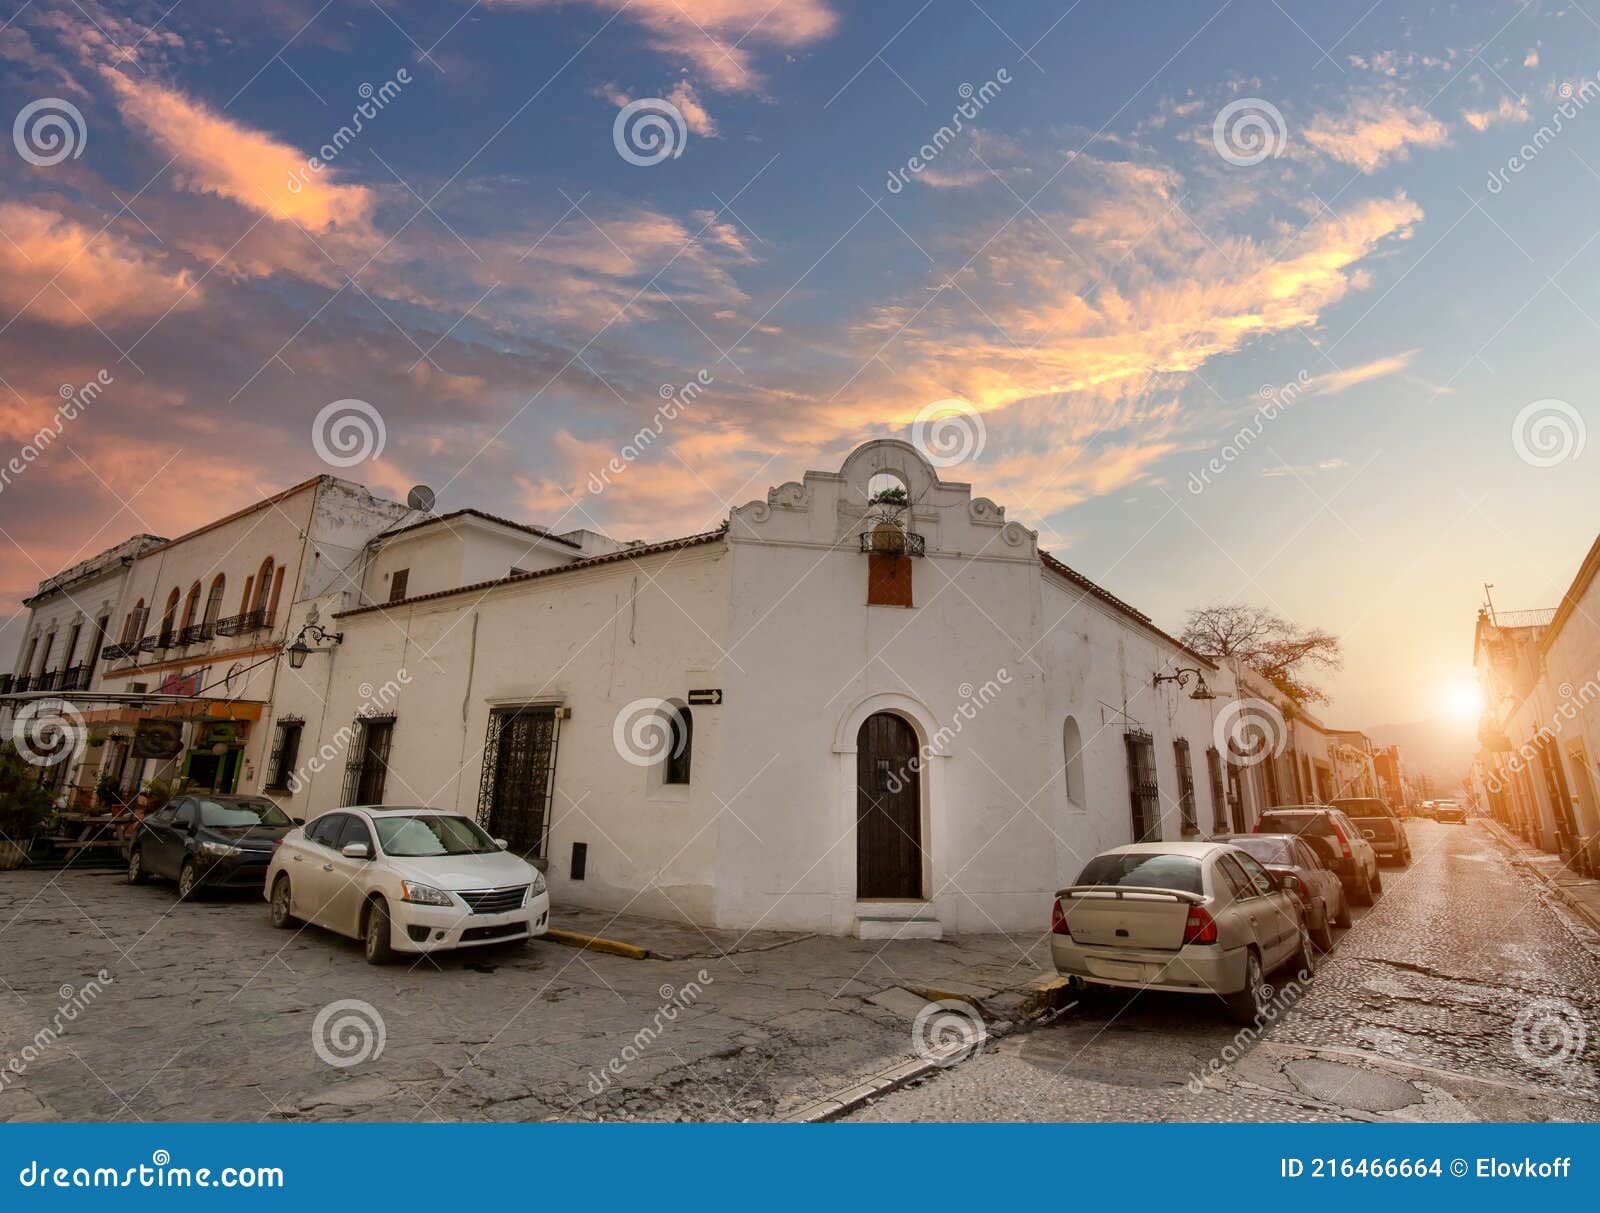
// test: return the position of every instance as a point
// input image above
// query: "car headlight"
(219, 850)
(423, 894)
(538, 886)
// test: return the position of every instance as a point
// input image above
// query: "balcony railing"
(74, 678)
(250, 621)
(50, 680)
(195, 633)
(5, 683)
(893, 542)
(166, 638)
(120, 651)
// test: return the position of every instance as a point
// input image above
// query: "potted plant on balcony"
(24, 807)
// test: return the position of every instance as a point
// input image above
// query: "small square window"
(398, 583)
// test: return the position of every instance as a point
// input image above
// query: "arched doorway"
(888, 809)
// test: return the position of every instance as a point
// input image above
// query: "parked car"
(205, 842)
(1426, 809)
(1187, 917)
(1449, 811)
(1321, 895)
(1379, 825)
(1337, 842)
(405, 880)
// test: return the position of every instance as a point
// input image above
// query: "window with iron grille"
(285, 754)
(1180, 754)
(398, 583)
(1143, 792)
(519, 762)
(1219, 801)
(368, 769)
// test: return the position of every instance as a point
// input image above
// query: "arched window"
(682, 751)
(191, 606)
(214, 601)
(169, 617)
(263, 586)
(133, 625)
(1072, 764)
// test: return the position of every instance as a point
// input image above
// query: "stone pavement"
(1580, 893)
(207, 1013)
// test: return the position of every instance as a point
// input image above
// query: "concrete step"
(906, 919)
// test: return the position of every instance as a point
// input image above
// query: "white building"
(202, 621)
(833, 714)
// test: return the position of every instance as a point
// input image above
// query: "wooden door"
(888, 809)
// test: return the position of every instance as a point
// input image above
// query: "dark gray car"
(1320, 892)
(1379, 825)
(204, 841)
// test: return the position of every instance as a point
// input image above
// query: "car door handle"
(327, 867)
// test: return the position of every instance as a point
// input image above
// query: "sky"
(1286, 303)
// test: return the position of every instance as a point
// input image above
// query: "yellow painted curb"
(594, 943)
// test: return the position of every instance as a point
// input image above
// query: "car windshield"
(1266, 849)
(431, 834)
(1145, 871)
(241, 814)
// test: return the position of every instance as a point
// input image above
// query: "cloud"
(1334, 382)
(695, 116)
(1531, 59)
(1302, 470)
(1375, 130)
(1508, 112)
(217, 155)
(716, 36)
(70, 274)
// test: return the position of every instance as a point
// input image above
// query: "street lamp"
(1181, 676)
(300, 650)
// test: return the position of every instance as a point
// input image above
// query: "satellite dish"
(422, 499)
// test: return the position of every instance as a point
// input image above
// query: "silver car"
(1187, 917)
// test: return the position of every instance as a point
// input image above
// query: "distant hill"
(1442, 748)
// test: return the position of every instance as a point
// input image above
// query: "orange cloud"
(715, 36)
(217, 155)
(1374, 131)
(69, 274)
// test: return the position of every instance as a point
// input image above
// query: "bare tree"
(1278, 649)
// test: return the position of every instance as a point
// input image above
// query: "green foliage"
(24, 805)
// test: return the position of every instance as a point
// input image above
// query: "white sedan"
(405, 880)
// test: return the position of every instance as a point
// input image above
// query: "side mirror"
(501, 843)
(1289, 881)
(356, 850)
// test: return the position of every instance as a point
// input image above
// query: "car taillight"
(1200, 927)
(1058, 921)
(1344, 843)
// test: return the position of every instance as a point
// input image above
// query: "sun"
(1464, 700)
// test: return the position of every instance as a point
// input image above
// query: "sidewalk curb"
(852, 1097)
(595, 943)
(1514, 847)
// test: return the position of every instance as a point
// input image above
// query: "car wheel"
(1377, 879)
(378, 947)
(281, 918)
(1248, 1005)
(1342, 918)
(136, 871)
(1306, 968)
(188, 881)
(1323, 936)
(1363, 895)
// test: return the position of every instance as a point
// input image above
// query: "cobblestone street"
(1464, 994)
(1446, 1001)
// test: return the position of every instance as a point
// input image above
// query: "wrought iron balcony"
(250, 621)
(50, 680)
(195, 633)
(893, 542)
(120, 651)
(166, 638)
(5, 683)
(74, 678)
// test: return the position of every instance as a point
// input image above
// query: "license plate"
(1117, 970)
